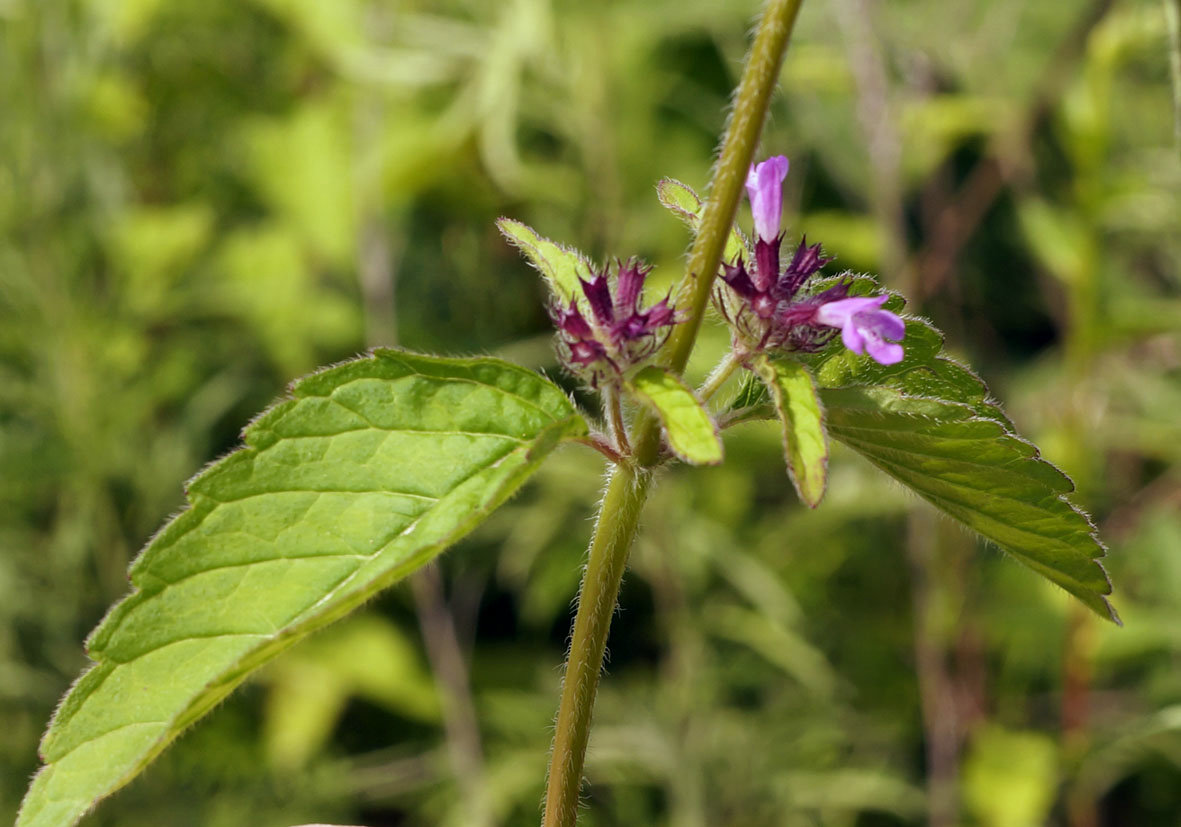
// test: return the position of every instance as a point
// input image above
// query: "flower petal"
(764, 187)
(837, 313)
(851, 336)
(885, 353)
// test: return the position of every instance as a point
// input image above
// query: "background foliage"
(202, 199)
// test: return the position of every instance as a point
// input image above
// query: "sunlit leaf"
(370, 470)
(691, 431)
(686, 204)
(561, 266)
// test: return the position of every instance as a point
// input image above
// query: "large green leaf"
(978, 471)
(690, 430)
(562, 266)
(370, 470)
(930, 423)
(805, 443)
(686, 205)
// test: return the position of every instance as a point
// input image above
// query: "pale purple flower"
(764, 187)
(865, 327)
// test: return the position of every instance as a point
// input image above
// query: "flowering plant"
(371, 468)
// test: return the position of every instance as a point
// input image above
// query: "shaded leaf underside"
(369, 470)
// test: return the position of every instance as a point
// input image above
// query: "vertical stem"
(619, 514)
(459, 711)
(614, 411)
(1173, 23)
(629, 484)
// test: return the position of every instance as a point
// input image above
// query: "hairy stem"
(614, 411)
(629, 484)
(723, 371)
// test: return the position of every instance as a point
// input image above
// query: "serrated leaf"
(561, 266)
(370, 470)
(805, 443)
(686, 205)
(690, 430)
(930, 422)
(976, 470)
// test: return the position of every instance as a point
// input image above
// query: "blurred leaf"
(368, 472)
(303, 164)
(690, 430)
(367, 656)
(1059, 237)
(1010, 778)
(805, 443)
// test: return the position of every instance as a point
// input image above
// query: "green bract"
(686, 204)
(691, 432)
(370, 470)
(805, 443)
(561, 266)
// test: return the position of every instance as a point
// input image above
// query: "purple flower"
(865, 327)
(764, 187)
(617, 334)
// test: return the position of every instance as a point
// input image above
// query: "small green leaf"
(690, 429)
(370, 470)
(805, 442)
(685, 203)
(978, 471)
(561, 266)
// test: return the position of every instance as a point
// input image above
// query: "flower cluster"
(766, 305)
(617, 334)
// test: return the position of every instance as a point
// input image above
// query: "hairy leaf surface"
(930, 423)
(368, 471)
(561, 266)
(979, 472)
(686, 205)
(691, 431)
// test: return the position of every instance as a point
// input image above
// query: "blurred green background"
(202, 199)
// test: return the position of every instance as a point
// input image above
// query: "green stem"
(629, 483)
(614, 412)
(724, 370)
(1173, 23)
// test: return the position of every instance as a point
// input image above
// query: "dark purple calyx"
(617, 333)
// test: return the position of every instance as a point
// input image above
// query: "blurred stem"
(629, 483)
(880, 131)
(378, 249)
(937, 695)
(1173, 22)
(459, 712)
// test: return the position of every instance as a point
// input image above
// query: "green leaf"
(686, 204)
(931, 423)
(367, 472)
(978, 471)
(805, 442)
(690, 429)
(561, 266)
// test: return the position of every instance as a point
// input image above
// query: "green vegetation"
(201, 200)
